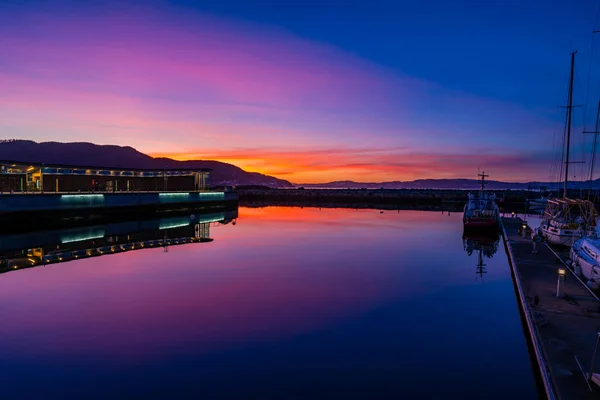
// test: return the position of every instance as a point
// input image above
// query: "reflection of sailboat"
(485, 246)
(50, 247)
(480, 266)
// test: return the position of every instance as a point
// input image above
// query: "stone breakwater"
(452, 200)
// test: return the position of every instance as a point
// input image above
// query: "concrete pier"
(21, 211)
(426, 199)
(562, 329)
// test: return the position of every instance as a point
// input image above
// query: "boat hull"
(583, 264)
(560, 237)
(480, 224)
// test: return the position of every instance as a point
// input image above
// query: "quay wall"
(28, 212)
(390, 198)
(58, 202)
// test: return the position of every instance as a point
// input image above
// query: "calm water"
(287, 303)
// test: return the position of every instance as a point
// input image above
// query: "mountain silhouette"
(89, 154)
(111, 156)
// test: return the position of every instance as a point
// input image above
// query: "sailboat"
(481, 211)
(585, 252)
(565, 220)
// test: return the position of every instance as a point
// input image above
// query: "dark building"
(28, 177)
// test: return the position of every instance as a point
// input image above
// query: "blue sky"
(389, 89)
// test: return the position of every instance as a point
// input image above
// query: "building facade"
(32, 178)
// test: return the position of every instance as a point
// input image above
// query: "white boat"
(585, 253)
(585, 260)
(565, 220)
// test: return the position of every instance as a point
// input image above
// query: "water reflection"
(51, 247)
(485, 246)
(289, 303)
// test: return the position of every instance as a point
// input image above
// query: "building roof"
(13, 163)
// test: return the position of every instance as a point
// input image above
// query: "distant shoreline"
(389, 199)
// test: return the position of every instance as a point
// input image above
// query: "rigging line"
(590, 64)
(597, 15)
(580, 141)
(589, 75)
(557, 143)
(553, 158)
(562, 158)
(564, 149)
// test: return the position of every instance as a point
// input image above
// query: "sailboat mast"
(569, 109)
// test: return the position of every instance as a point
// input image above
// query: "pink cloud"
(205, 87)
(135, 56)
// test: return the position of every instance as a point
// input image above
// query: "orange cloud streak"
(375, 164)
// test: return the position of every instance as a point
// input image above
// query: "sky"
(309, 91)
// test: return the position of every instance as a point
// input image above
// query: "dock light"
(513, 214)
(562, 275)
(524, 229)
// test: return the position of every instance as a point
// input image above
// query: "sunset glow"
(178, 81)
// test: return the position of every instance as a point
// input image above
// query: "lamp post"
(562, 274)
(524, 229)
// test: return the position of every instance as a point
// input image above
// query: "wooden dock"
(562, 330)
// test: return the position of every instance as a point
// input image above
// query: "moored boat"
(565, 220)
(585, 253)
(585, 260)
(481, 212)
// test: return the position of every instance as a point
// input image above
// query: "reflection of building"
(30, 250)
(484, 246)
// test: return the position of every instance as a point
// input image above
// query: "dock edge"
(533, 338)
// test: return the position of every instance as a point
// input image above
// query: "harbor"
(52, 193)
(19, 251)
(561, 316)
(390, 199)
(291, 293)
